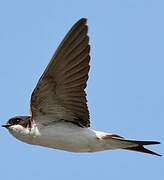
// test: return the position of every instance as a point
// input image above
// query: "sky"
(125, 89)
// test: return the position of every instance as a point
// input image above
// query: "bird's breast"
(66, 136)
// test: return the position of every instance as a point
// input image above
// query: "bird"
(59, 116)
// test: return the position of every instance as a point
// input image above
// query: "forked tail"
(141, 148)
(134, 145)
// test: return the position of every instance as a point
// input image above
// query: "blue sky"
(125, 87)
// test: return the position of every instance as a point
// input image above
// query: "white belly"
(68, 137)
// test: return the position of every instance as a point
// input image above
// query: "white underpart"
(67, 136)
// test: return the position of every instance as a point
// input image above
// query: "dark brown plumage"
(60, 90)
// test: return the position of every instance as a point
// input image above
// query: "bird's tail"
(141, 148)
(134, 145)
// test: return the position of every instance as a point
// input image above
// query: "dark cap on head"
(21, 120)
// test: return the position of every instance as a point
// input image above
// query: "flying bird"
(59, 113)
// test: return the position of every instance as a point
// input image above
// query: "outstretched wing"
(60, 92)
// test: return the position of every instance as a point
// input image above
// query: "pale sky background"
(125, 87)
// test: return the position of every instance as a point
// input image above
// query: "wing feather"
(60, 92)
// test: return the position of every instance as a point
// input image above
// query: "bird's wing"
(60, 92)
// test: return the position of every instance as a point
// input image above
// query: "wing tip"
(84, 20)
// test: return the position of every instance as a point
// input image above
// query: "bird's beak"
(6, 125)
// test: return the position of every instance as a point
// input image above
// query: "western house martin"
(59, 113)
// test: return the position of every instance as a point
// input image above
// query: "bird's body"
(59, 113)
(69, 137)
(63, 135)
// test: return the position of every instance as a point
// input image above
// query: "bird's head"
(19, 126)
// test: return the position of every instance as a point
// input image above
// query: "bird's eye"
(16, 121)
